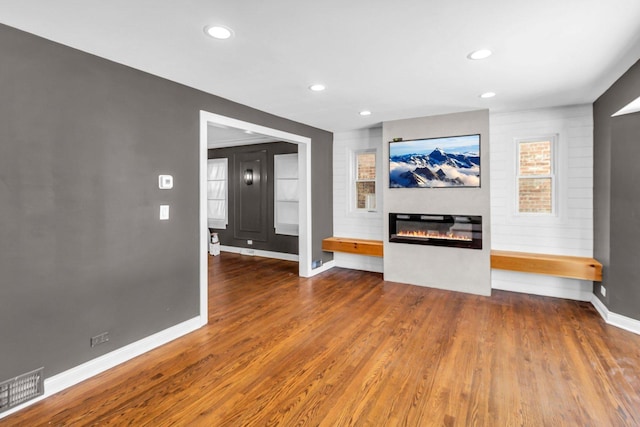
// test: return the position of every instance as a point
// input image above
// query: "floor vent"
(20, 389)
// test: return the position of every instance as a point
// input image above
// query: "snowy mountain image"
(423, 163)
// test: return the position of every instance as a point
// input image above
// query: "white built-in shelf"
(217, 193)
(286, 203)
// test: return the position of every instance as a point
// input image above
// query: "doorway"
(304, 213)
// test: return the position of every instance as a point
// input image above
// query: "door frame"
(304, 212)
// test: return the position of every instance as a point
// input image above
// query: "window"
(535, 176)
(217, 193)
(365, 180)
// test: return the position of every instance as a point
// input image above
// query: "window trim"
(553, 140)
(353, 180)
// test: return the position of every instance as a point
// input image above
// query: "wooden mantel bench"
(353, 246)
(572, 267)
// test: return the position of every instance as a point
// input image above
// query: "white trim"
(276, 255)
(614, 319)
(624, 322)
(77, 374)
(553, 141)
(204, 226)
(600, 307)
(353, 180)
(632, 107)
(304, 175)
(260, 253)
(324, 267)
(304, 239)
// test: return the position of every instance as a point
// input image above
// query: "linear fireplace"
(457, 231)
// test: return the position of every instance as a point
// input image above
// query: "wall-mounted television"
(451, 161)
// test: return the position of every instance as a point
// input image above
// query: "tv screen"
(452, 161)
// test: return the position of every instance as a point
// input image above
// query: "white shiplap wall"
(570, 232)
(346, 223)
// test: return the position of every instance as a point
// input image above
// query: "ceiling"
(219, 136)
(400, 59)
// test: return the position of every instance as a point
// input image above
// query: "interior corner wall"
(456, 269)
(609, 158)
(82, 250)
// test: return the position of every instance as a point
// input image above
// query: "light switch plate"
(164, 212)
(165, 182)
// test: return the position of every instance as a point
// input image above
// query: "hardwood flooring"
(346, 348)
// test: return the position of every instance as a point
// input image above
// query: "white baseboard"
(260, 253)
(557, 287)
(324, 267)
(75, 375)
(276, 255)
(600, 307)
(614, 319)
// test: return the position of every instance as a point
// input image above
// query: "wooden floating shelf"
(353, 246)
(554, 265)
(572, 267)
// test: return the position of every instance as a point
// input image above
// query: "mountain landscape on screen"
(425, 163)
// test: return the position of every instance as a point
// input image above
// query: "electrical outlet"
(99, 339)
(603, 291)
(249, 242)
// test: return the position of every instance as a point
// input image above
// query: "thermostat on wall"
(165, 182)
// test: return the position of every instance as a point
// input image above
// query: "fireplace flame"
(433, 235)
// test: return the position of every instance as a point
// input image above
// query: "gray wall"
(274, 242)
(82, 142)
(465, 270)
(616, 196)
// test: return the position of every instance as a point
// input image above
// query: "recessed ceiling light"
(488, 95)
(317, 87)
(479, 54)
(365, 113)
(218, 32)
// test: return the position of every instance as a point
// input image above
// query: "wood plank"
(353, 246)
(347, 348)
(554, 265)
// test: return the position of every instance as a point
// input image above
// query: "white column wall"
(456, 269)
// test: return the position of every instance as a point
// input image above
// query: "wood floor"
(346, 348)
